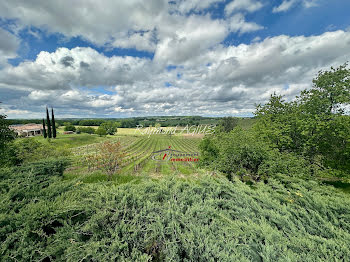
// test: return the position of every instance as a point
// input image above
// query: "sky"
(126, 58)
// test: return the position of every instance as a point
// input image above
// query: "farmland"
(138, 150)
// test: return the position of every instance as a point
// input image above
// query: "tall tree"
(49, 134)
(53, 124)
(44, 129)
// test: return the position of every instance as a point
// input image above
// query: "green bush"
(69, 127)
(48, 219)
(26, 150)
(101, 131)
(87, 130)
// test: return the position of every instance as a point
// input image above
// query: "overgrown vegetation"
(47, 219)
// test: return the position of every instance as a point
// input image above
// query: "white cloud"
(125, 24)
(238, 24)
(288, 4)
(207, 77)
(190, 38)
(245, 5)
(185, 6)
(79, 66)
(9, 44)
(219, 80)
(97, 22)
(139, 40)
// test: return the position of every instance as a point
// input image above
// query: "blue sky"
(136, 58)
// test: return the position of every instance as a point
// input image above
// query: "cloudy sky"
(89, 58)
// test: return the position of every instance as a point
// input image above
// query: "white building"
(27, 130)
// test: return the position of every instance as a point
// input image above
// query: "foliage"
(44, 129)
(242, 152)
(314, 125)
(69, 127)
(26, 150)
(101, 131)
(87, 130)
(49, 132)
(110, 127)
(129, 123)
(107, 157)
(6, 136)
(45, 218)
(90, 122)
(209, 152)
(53, 124)
(227, 124)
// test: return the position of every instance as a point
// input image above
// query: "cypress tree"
(44, 129)
(53, 124)
(49, 134)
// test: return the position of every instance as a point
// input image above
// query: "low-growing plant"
(44, 218)
(107, 157)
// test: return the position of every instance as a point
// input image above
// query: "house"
(27, 130)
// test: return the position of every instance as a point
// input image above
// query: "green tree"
(49, 133)
(69, 127)
(101, 131)
(314, 124)
(53, 124)
(227, 124)
(88, 130)
(110, 127)
(44, 129)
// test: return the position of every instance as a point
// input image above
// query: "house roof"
(26, 127)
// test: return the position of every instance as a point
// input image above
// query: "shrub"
(172, 220)
(110, 127)
(108, 158)
(69, 128)
(88, 130)
(242, 153)
(101, 131)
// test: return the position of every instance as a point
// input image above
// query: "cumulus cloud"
(9, 44)
(245, 5)
(218, 81)
(238, 24)
(124, 24)
(78, 66)
(190, 70)
(184, 6)
(97, 22)
(288, 4)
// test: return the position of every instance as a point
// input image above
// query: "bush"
(242, 153)
(87, 130)
(101, 131)
(110, 127)
(172, 220)
(69, 128)
(108, 158)
(26, 150)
